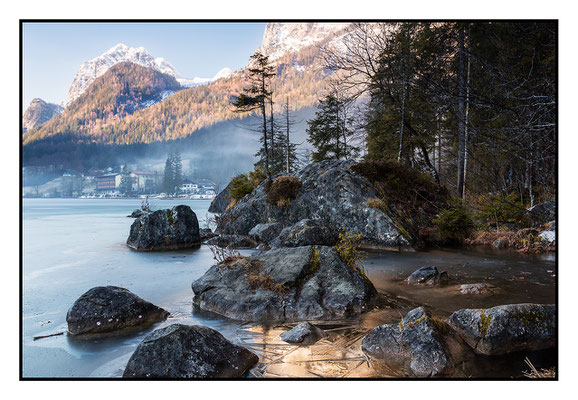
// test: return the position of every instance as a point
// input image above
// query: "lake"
(72, 245)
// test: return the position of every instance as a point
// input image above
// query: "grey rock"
(305, 233)
(185, 351)
(332, 194)
(302, 283)
(427, 275)
(507, 328)
(169, 229)
(475, 288)
(221, 201)
(206, 233)
(136, 213)
(265, 233)
(305, 333)
(415, 343)
(232, 242)
(110, 308)
(542, 213)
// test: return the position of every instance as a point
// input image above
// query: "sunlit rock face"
(287, 284)
(37, 113)
(283, 38)
(110, 308)
(185, 351)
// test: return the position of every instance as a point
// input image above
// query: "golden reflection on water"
(337, 356)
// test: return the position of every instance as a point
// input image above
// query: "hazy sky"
(52, 52)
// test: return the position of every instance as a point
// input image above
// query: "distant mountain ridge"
(37, 113)
(300, 77)
(90, 70)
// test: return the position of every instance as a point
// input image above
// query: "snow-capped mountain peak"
(90, 70)
(222, 74)
(282, 38)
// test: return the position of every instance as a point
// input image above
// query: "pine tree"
(177, 169)
(169, 174)
(125, 187)
(329, 132)
(255, 97)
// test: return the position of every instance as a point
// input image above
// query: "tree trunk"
(466, 129)
(287, 142)
(263, 106)
(461, 113)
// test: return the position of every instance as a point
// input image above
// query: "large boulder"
(221, 201)
(110, 308)
(542, 213)
(305, 233)
(265, 233)
(507, 328)
(302, 283)
(427, 275)
(331, 193)
(415, 344)
(184, 351)
(170, 229)
(232, 242)
(305, 334)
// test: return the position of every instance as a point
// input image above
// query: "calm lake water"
(72, 245)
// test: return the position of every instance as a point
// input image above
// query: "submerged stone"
(427, 275)
(305, 333)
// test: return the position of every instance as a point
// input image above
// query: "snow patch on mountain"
(222, 74)
(283, 38)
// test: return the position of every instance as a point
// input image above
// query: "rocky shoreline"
(307, 272)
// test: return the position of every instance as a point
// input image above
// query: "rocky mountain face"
(122, 90)
(37, 113)
(90, 70)
(283, 38)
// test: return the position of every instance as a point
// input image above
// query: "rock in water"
(427, 275)
(305, 233)
(475, 288)
(508, 328)
(110, 308)
(332, 194)
(185, 351)
(305, 333)
(170, 229)
(302, 283)
(548, 235)
(265, 233)
(415, 343)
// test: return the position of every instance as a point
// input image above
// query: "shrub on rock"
(283, 190)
